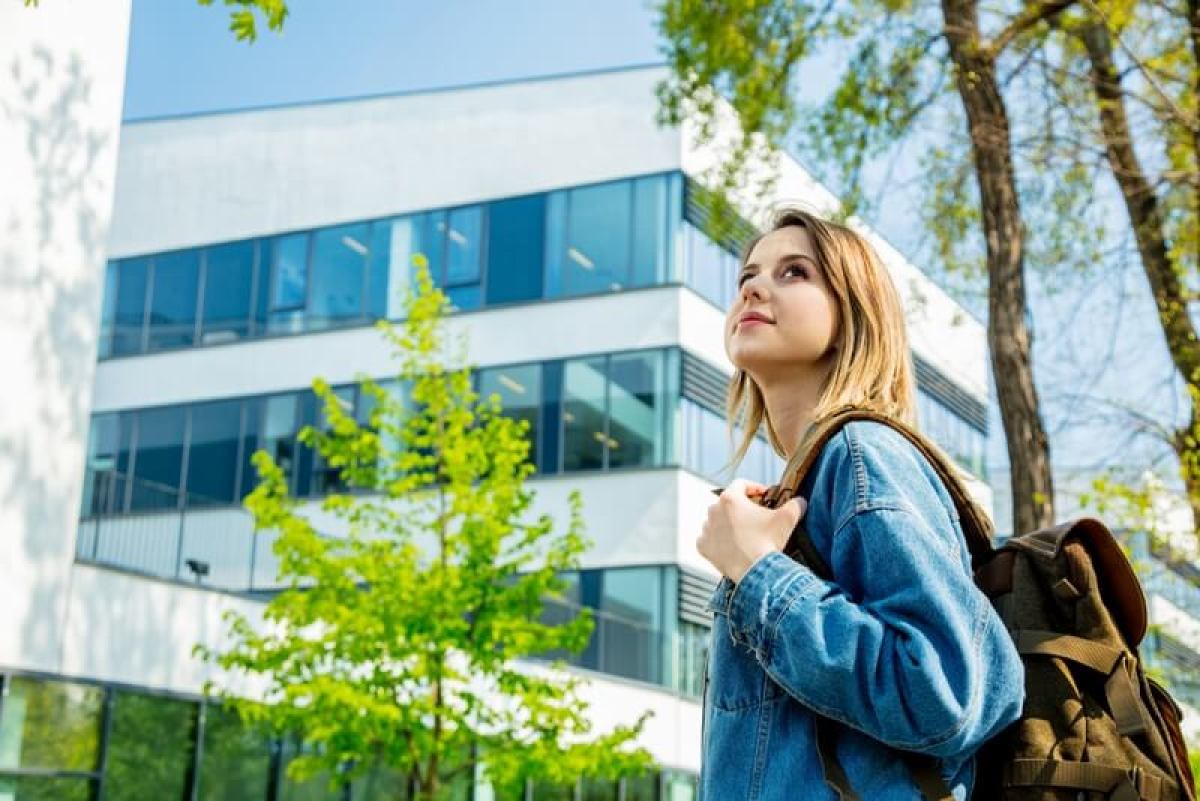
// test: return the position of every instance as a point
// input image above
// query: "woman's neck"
(790, 405)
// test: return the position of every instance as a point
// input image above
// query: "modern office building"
(249, 252)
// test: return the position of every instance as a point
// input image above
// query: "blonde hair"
(873, 367)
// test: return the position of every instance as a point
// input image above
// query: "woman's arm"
(914, 656)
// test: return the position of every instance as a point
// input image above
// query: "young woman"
(900, 650)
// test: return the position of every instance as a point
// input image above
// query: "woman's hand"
(738, 531)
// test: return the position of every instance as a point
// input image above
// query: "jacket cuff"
(763, 595)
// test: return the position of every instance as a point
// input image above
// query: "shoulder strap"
(977, 526)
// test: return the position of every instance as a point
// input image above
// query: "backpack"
(1093, 725)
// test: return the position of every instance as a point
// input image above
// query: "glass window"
(228, 287)
(599, 789)
(650, 231)
(636, 384)
(641, 788)
(631, 620)
(464, 257)
(598, 236)
(328, 479)
(150, 748)
(583, 414)
(545, 791)
(314, 789)
(213, 453)
(176, 283)
(714, 447)
(252, 419)
(520, 391)
(52, 725)
(381, 783)
(280, 424)
(338, 275)
(133, 279)
(44, 788)
(103, 485)
(235, 759)
(679, 786)
(159, 459)
(515, 249)
(289, 283)
(108, 311)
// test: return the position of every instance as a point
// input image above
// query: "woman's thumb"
(797, 507)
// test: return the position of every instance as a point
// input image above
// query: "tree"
(242, 16)
(392, 643)
(905, 56)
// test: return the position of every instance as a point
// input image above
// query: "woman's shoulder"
(870, 465)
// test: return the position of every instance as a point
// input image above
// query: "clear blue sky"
(1095, 334)
(183, 59)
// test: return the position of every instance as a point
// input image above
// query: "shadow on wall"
(51, 263)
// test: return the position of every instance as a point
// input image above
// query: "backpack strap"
(977, 526)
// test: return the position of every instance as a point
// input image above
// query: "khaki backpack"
(1093, 725)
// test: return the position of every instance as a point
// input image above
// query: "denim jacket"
(900, 650)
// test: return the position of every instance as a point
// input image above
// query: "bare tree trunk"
(1146, 217)
(1008, 335)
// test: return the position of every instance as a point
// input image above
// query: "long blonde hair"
(873, 367)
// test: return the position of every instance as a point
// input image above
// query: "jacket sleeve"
(915, 656)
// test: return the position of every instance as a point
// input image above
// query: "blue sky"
(1094, 333)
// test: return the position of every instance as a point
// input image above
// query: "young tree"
(905, 55)
(392, 643)
(242, 15)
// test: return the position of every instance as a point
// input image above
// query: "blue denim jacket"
(902, 650)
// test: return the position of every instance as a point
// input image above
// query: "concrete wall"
(63, 68)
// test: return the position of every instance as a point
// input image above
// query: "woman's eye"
(798, 268)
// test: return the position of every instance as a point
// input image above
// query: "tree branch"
(1032, 15)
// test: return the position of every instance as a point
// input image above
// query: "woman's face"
(782, 282)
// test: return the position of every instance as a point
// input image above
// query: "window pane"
(464, 245)
(159, 458)
(108, 309)
(41, 788)
(543, 791)
(641, 788)
(289, 282)
(338, 272)
(102, 489)
(213, 453)
(50, 724)
(280, 424)
(596, 257)
(599, 790)
(328, 479)
(149, 748)
(429, 239)
(314, 789)
(635, 435)
(228, 284)
(173, 305)
(251, 422)
(380, 783)
(235, 759)
(650, 231)
(520, 394)
(632, 622)
(583, 421)
(133, 277)
(515, 250)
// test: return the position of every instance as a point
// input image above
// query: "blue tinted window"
(326, 478)
(429, 240)
(515, 249)
(289, 279)
(133, 278)
(103, 485)
(583, 414)
(278, 431)
(650, 231)
(213, 453)
(637, 398)
(380, 259)
(464, 245)
(598, 235)
(108, 312)
(520, 391)
(252, 421)
(338, 275)
(228, 287)
(173, 302)
(159, 459)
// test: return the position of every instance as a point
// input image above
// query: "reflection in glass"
(338, 274)
(585, 434)
(636, 384)
(133, 277)
(289, 282)
(228, 286)
(213, 453)
(150, 748)
(173, 300)
(235, 759)
(158, 462)
(45, 788)
(102, 487)
(53, 725)
(520, 391)
(598, 235)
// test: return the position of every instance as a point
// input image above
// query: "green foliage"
(392, 643)
(243, 20)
